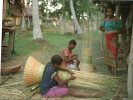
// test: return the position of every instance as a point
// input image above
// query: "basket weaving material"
(33, 71)
(63, 75)
(86, 67)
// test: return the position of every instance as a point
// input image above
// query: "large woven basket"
(86, 67)
(9, 70)
(33, 71)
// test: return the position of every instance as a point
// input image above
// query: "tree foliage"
(81, 7)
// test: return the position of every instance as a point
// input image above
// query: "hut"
(124, 9)
(11, 10)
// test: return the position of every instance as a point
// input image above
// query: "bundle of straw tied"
(34, 70)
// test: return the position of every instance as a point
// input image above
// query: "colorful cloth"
(111, 24)
(66, 53)
(111, 27)
(56, 91)
(47, 82)
(110, 49)
(111, 43)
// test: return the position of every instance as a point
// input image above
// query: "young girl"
(111, 26)
(52, 86)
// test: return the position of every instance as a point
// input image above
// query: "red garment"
(111, 39)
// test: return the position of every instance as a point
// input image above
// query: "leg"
(78, 62)
(85, 94)
(110, 69)
(115, 71)
(56, 91)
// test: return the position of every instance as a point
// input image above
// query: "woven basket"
(33, 71)
(86, 67)
(9, 70)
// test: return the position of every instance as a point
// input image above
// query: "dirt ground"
(14, 88)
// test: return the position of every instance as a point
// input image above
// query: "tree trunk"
(130, 71)
(78, 28)
(37, 33)
(130, 66)
(1, 8)
(28, 22)
(23, 23)
(63, 24)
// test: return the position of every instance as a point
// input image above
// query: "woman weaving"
(111, 26)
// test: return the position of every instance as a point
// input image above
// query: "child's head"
(110, 11)
(72, 44)
(56, 60)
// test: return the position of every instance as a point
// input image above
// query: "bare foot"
(97, 94)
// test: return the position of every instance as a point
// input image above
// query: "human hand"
(102, 29)
(72, 77)
(76, 55)
(71, 72)
(78, 68)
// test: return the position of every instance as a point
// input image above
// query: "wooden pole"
(1, 8)
(4, 8)
(130, 68)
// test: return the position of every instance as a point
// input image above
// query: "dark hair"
(111, 6)
(56, 59)
(72, 42)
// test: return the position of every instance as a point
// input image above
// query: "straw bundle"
(91, 81)
(33, 71)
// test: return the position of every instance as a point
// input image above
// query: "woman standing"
(111, 26)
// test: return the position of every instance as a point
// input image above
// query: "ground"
(15, 88)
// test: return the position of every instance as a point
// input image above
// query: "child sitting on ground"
(70, 60)
(52, 86)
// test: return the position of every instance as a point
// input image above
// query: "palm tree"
(78, 28)
(37, 33)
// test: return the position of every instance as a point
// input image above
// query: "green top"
(111, 24)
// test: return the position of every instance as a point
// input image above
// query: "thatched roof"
(28, 10)
(17, 7)
(20, 4)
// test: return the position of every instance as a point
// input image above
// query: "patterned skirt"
(111, 48)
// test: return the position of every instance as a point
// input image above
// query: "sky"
(52, 8)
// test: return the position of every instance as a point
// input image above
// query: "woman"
(111, 26)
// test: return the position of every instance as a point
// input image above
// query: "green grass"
(55, 42)
(25, 46)
(60, 41)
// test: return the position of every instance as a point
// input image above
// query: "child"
(70, 60)
(52, 86)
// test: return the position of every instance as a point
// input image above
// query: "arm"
(101, 29)
(61, 83)
(67, 59)
(64, 69)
